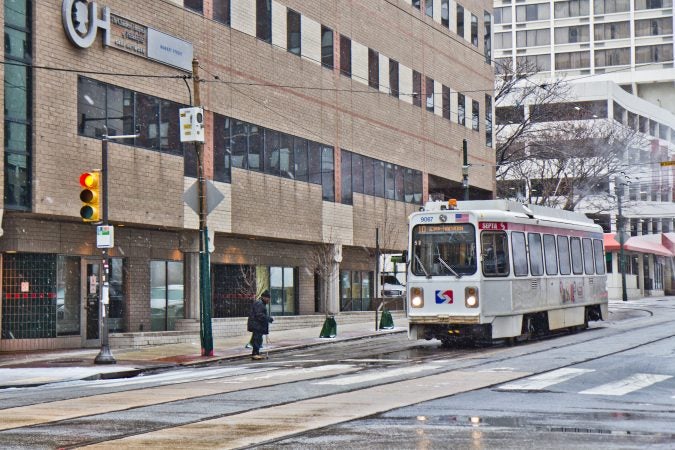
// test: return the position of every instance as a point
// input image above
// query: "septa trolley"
(494, 269)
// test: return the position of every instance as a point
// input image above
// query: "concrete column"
(191, 288)
(333, 304)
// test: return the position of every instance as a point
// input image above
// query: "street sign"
(213, 196)
(105, 236)
(667, 163)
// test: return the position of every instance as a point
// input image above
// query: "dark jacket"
(258, 320)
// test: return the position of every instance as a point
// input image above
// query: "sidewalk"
(43, 367)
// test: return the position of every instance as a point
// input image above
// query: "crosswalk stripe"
(354, 379)
(629, 384)
(543, 380)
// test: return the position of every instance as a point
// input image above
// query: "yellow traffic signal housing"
(91, 196)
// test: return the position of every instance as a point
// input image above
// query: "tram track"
(447, 361)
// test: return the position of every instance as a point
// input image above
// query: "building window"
(263, 20)
(222, 149)
(612, 57)
(221, 11)
(393, 78)
(345, 56)
(653, 53)
(446, 102)
(41, 296)
(503, 15)
(373, 69)
(356, 290)
(527, 13)
(460, 20)
(195, 5)
(166, 294)
(429, 8)
(487, 37)
(571, 8)
(18, 104)
(293, 41)
(346, 189)
(488, 121)
(417, 88)
(610, 6)
(653, 4)
(106, 109)
(326, 47)
(475, 115)
(474, 30)
(572, 60)
(429, 86)
(416, 3)
(445, 13)
(461, 109)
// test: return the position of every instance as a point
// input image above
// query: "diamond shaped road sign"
(213, 197)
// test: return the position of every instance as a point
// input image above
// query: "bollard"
(329, 329)
(386, 322)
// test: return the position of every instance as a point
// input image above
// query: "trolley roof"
(491, 209)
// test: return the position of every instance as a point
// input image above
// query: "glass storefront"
(356, 290)
(235, 287)
(40, 296)
(166, 294)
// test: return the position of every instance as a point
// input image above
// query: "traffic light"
(91, 196)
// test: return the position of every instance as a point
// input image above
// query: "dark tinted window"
(293, 40)
(326, 47)
(519, 254)
(300, 159)
(345, 56)
(373, 69)
(393, 78)
(263, 20)
(346, 173)
(221, 11)
(195, 5)
(536, 261)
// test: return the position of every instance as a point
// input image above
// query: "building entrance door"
(91, 280)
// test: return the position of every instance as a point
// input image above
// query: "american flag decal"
(461, 217)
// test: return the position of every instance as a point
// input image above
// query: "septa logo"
(444, 297)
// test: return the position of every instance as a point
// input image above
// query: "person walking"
(258, 322)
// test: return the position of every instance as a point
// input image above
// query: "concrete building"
(325, 122)
(617, 56)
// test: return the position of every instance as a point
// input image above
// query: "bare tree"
(552, 151)
(322, 260)
(515, 88)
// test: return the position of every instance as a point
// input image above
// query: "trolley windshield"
(444, 249)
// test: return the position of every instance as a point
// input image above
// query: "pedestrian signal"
(90, 196)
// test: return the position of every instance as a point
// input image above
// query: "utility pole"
(204, 258)
(465, 170)
(621, 234)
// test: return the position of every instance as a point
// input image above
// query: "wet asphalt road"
(609, 387)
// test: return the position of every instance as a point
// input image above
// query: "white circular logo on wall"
(81, 22)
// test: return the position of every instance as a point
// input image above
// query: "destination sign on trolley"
(493, 226)
(440, 228)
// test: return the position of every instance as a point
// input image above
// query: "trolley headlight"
(471, 297)
(416, 297)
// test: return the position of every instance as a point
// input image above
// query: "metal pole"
(622, 235)
(105, 356)
(204, 263)
(465, 169)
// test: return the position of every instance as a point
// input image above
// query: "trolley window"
(519, 254)
(550, 257)
(564, 255)
(577, 260)
(536, 261)
(599, 255)
(495, 253)
(444, 249)
(588, 256)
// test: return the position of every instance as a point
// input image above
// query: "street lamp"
(105, 356)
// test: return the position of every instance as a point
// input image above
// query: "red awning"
(611, 244)
(639, 244)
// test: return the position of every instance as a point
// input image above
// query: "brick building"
(325, 121)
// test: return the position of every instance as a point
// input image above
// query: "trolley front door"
(91, 280)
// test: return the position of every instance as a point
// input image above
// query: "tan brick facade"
(263, 219)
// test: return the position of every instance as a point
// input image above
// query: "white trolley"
(497, 269)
